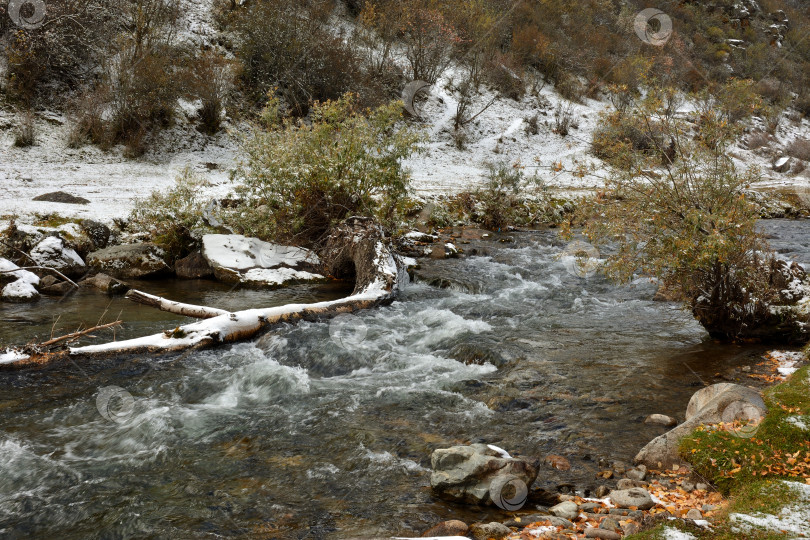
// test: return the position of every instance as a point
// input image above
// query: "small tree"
(299, 178)
(690, 224)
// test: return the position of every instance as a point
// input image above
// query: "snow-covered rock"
(52, 252)
(239, 259)
(782, 164)
(22, 288)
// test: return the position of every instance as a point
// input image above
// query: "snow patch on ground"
(793, 518)
(798, 422)
(788, 361)
(675, 534)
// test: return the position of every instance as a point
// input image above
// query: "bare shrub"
(800, 149)
(46, 62)
(570, 87)
(25, 134)
(563, 118)
(758, 140)
(211, 79)
(503, 73)
(429, 41)
(284, 44)
(85, 116)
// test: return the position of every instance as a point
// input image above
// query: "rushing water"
(302, 435)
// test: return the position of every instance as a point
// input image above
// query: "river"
(307, 433)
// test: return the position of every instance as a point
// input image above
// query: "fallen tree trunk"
(356, 247)
(170, 306)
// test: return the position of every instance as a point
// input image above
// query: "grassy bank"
(764, 470)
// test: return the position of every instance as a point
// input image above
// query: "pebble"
(524, 520)
(709, 508)
(609, 524)
(602, 491)
(661, 420)
(451, 527)
(484, 531)
(688, 486)
(627, 483)
(590, 532)
(626, 512)
(637, 497)
(590, 507)
(694, 513)
(566, 509)
(561, 522)
(631, 527)
(638, 473)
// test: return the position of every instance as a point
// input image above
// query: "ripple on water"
(297, 434)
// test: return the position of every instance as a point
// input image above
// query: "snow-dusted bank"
(357, 246)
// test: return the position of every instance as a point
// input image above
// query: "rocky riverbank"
(630, 500)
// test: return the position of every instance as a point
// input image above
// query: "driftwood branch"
(170, 306)
(76, 335)
(45, 268)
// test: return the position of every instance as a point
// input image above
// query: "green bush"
(505, 198)
(177, 218)
(297, 179)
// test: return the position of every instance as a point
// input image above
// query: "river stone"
(465, 473)
(57, 289)
(722, 402)
(105, 283)
(628, 483)
(602, 491)
(661, 420)
(485, 531)
(701, 399)
(451, 527)
(693, 514)
(609, 524)
(51, 252)
(97, 232)
(558, 521)
(193, 266)
(567, 509)
(634, 497)
(130, 261)
(239, 259)
(61, 197)
(637, 473)
(603, 534)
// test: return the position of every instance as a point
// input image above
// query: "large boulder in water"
(467, 473)
(239, 259)
(723, 402)
(130, 261)
(52, 252)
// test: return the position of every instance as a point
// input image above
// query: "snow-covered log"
(170, 306)
(356, 247)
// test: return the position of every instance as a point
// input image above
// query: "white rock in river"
(21, 289)
(239, 259)
(52, 252)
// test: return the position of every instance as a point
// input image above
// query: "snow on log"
(355, 248)
(170, 306)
